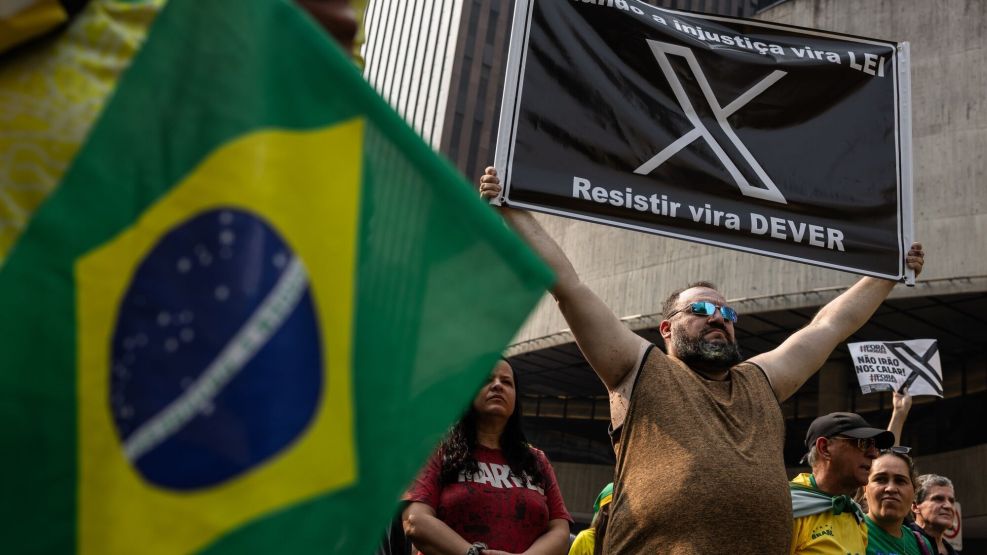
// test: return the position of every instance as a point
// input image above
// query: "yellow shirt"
(584, 543)
(826, 533)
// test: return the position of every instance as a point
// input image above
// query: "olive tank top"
(699, 464)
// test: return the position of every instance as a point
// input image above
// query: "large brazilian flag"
(249, 310)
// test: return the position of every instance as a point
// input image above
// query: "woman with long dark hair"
(486, 490)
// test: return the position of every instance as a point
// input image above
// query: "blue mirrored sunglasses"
(706, 308)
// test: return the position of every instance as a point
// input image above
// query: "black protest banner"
(783, 141)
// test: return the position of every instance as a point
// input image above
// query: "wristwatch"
(476, 548)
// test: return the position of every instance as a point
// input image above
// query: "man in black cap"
(841, 447)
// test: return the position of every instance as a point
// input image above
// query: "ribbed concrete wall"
(409, 57)
(440, 64)
(632, 272)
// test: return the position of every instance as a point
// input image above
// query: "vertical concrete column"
(833, 387)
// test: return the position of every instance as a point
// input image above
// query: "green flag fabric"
(250, 309)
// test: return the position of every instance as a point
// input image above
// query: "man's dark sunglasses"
(864, 444)
(706, 308)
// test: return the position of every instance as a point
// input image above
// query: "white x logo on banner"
(920, 365)
(661, 51)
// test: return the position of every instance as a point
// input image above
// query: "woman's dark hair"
(600, 526)
(457, 448)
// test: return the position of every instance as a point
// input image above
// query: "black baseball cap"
(847, 424)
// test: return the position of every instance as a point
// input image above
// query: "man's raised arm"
(901, 403)
(792, 363)
(611, 348)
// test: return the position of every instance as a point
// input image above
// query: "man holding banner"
(698, 427)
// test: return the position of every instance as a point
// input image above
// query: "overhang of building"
(566, 405)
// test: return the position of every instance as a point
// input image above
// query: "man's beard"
(704, 354)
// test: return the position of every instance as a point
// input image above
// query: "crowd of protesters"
(698, 435)
(465, 499)
(696, 426)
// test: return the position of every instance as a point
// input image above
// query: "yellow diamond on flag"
(170, 390)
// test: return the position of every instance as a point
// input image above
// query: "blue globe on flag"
(216, 359)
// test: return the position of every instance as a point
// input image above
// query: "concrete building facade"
(440, 64)
(566, 404)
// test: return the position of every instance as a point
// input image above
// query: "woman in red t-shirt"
(485, 490)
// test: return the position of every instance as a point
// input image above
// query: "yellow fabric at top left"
(50, 94)
(28, 19)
